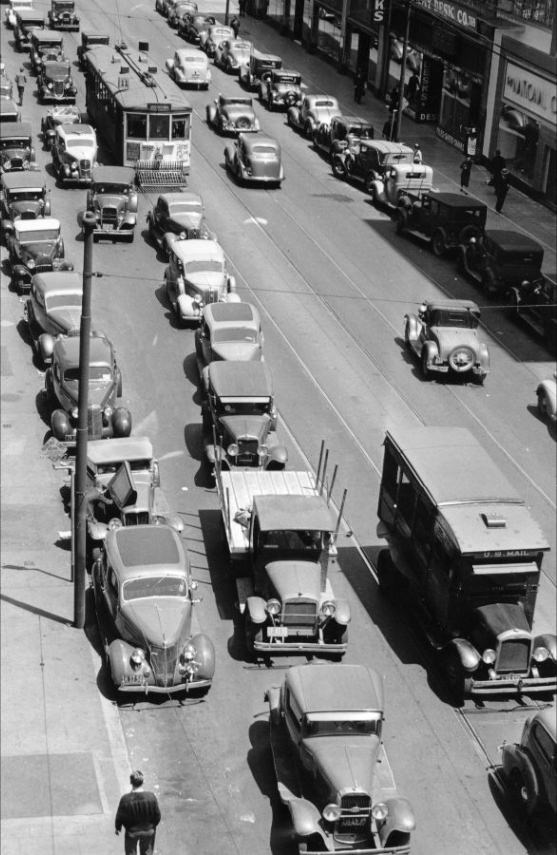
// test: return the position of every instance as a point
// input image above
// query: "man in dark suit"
(139, 813)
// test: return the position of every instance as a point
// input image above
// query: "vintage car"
(214, 36)
(391, 172)
(112, 198)
(61, 380)
(259, 66)
(45, 46)
(332, 771)
(232, 54)
(177, 215)
(189, 67)
(165, 7)
(190, 27)
(340, 133)
(255, 160)
(444, 220)
(9, 111)
(196, 276)
(27, 20)
(61, 16)
(58, 114)
(179, 10)
(144, 598)
(89, 39)
(23, 195)
(228, 331)
(502, 261)
(56, 83)
(15, 6)
(313, 111)
(231, 114)
(16, 147)
(240, 418)
(546, 394)
(529, 767)
(444, 337)
(280, 89)
(74, 153)
(372, 160)
(52, 308)
(123, 488)
(6, 86)
(35, 246)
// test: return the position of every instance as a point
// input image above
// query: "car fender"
(413, 327)
(231, 284)
(118, 654)
(400, 818)
(342, 612)
(211, 114)
(293, 116)
(483, 356)
(548, 640)
(305, 819)
(548, 390)
(46, 347)
(256, 609)
(205, 655)
(129, 220)
(96, 530)
(121, 422)
(47, 208)
(431, 350)
(169, 64)
(185, 305)
(60, 425)
(278, 457)
(133, 203)
(467, 653)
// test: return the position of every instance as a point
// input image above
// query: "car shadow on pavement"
(550, 426)
(192, 374)
(218, 562)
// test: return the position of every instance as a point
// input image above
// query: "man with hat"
(139, 813)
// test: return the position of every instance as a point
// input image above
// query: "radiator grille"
(136, 518)
(514, 656)
(94, 422)
(299, 613)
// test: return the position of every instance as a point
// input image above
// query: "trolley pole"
(79, 521)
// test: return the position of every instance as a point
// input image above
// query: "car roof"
(76, 130)
(47, 36)
(253, 140)
(8, 107)
(23, 180)
(190, 51)
(512, 241)
(258, 54)
(231, 379)
(57, 282)
(113, 174)
(184, 196)
(67, 349)
(386, 147)
(325, 687)
(197, 250)
(40, 224)
(287, 71)
(230, 313)
(548, 719)
(452, 305)
(453, 200)
(116, 449)
(295, 512)
(312, 97)
(16, 129)
(144, 549)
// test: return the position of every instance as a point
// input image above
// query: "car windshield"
(62, 4)
(48, 45)
(39, 236)
(208, 266)
(452, 318)
(185, 208)
(244, 409)
(25, 195)
(63, 301)
(155, 586)
(15, 142)
(246, 102)
(299, 541)
(114, 188)
(362, 131)
(97, 374)
(235, 334)
(197, 60)
(241, 46)
(342, 724)
(323, 103)
(139, 465)
(79, 142)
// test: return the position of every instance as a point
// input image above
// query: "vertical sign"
(378, 11)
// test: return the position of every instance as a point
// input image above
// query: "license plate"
(277, 632)
(135, 679)
(352, 821)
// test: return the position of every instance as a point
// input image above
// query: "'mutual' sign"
(531, 92)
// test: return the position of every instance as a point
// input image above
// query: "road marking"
(258, 221)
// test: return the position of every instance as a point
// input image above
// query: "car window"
(343, 725)
(234, 334)
(154, 586)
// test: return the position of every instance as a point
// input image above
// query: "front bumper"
(48, 95)
(152, 689)
(514, 685)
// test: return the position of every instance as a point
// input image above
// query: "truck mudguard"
(305, 818)
(469, 656)
(256, 609)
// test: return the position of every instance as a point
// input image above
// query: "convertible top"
(114, 450)
(240, 379)
(231, 313)
(47, 36)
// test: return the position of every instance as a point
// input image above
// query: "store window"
(517, 139)
(460, 101)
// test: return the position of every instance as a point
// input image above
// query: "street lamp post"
(79, 521)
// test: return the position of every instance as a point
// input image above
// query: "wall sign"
(453, 12)
(531, 92)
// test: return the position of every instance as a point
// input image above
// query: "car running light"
(232, 450)
(137, 658)
(379, 811)
(331, 812)
(273, 607)
(74, 412)
(188, 653)
(114, 523)
(489, 656)
(328, 609)
(540, 654)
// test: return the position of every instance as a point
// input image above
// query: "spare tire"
(339, 167)
(462, 359)
(290, 99)
(243, 123)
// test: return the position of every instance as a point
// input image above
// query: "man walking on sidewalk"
(20, 81)
(139, 813)
(465, 170)
(501, 189)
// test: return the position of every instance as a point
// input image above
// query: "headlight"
(331, 812)
(379, 811)
(49, 85)
(114, 523)
(137, 658)
(328, 609)
(74, 412)
(108, 412)
(540, 654)
(197, 298)
(188, 653)
(232, 449)
(489, 656)
(273, 607)
(31, 263)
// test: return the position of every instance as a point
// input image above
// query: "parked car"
(165, 7)
(62, 16)
(375, 159)
(340, 133)
(189, 67)
(74, 153)
(231, 54)
(240, 418)
(90, 39)
(52, 308)
(9, 111)
(259, 66)
(27, 20)
(23, 196)
(179, 10)
(104, 418)
(280, 89)
(144, 598)
(16, 147)
(177, 215)
(211, 38)
(228, 331)
(444, 337)
(255, 160)
(530, 766)
(444, 220)
(58, 114)
(230, 114)
(536, 305)
(392, 173)
(326, 725)
(314, 110)
(45, 46)
(112, 198)
(56, 83)
(546, 394)
(197, 275)
(190, 27)
(502, 261)
(15, 6)
(359, 162)
(34, 246)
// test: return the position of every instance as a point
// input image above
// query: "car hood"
(324, 114)
(265, 168)
(346, 762)
(295, 579)
(81, 153)
(160, 622)
(243, 427)
(236, 351)
(39, 252)
(186, 221)
(206, 280)
(99, 392)
(109, 201)
(26, 209)
(448, 338)
(66, 319)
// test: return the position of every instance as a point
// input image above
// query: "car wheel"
(438, 243)
(252, 633)
(308, 131)
(269, 103)
(49, 389)
(339, 169)
(454, 674)
(461, 359)
(407, 335)
(426, 373)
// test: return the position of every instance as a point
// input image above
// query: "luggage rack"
(160, 173)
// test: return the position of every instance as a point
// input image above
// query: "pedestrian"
(359, 85)
(393, 99)
(242, 8)
(501, 189)
(139, 813)
(235, 24)
(413, 88)
(20, 81)
(388, 128)
(465, 170)
(497, 164)
(417, 153)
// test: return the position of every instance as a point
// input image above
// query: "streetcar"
(141, 115)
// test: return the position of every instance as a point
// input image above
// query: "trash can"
(471, 142)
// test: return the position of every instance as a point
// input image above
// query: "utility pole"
(402, 81)
(227, 12)
(79, 521)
